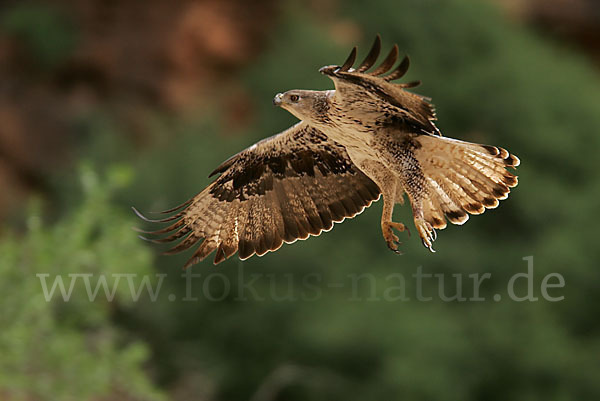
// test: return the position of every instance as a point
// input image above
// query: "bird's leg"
(391, 193)
(425, 230)
(413, 183)
(387, 225)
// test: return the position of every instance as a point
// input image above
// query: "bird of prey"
(369, 138)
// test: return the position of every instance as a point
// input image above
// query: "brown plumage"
(367, 138)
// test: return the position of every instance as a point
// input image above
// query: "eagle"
(367, 139)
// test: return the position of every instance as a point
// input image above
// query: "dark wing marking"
(416, 111)
(286, 187)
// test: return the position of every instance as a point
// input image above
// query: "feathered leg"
(424, 228)
(414, 184)
(389, 186)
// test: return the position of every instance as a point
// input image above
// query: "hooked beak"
(329, 69)
(278, 99)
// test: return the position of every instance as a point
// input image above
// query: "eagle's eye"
(294, 98)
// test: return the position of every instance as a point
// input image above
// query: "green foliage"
(52, 349)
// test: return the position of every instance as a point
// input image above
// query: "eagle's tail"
(462, 178)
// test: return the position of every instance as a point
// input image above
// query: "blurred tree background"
(105, 104)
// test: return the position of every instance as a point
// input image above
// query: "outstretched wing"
(414, 112)
(284, 188)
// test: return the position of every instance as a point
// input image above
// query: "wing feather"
(411, 109)
(371, 58)
(284, 188)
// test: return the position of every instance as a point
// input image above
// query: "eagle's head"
(309, 106)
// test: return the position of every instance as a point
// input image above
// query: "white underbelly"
(359, 145)
(360, 154)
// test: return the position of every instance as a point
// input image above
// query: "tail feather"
(467, 182)
(463, 178)
(477, 174)
(451, 205)
(435, 213)
(470, 192)
(467, 199)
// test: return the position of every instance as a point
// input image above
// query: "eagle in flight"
(368, 138)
